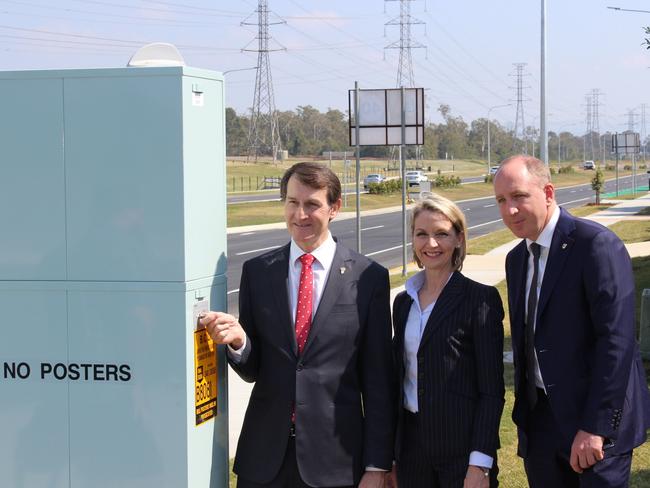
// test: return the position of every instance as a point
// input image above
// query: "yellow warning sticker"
(205, 370)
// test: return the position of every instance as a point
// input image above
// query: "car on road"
(493, 170)
(588, 165)
(415, 177)
(372, 178)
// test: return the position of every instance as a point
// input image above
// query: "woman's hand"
(476, 478)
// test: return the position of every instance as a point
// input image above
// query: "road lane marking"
(372, 228)
(247, 234)
(490, 205)
(386, 250)
(484, 223)
(256, 250)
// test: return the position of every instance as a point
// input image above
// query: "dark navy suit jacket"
(584, 337)
(342, 384)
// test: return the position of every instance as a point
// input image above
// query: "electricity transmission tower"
(592, 131)
(263, 132)
(405, 76)
(588, 120)
(520, 125)
(643, 130)
(405, 44)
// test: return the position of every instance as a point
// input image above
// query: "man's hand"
(373, 479)
(391, 478)
(224, 329)
(586, 450)
(475, 478)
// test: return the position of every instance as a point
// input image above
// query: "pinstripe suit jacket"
(460, 369)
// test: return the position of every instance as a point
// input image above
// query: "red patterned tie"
(304, 306)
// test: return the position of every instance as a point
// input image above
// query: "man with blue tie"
(581, 398)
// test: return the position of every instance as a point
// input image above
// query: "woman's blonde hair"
(438, 203)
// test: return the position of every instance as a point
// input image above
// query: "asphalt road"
(381, 235)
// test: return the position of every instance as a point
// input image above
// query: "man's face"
(307, 214)
(525, 203)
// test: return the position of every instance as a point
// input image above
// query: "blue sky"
(330, 44)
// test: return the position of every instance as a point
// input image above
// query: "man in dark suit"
(315, 337)
(581, 398)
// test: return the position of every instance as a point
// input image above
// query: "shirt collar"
(415, 282)
(413, 285)
(324, 253)
(546, 236)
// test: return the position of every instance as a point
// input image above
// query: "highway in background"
(381, 234)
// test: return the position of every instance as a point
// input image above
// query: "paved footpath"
(488, 268)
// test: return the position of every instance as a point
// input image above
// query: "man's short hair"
(535, 167)
(313, 175)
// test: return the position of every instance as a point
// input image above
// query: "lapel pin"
(564, 244)
(342, 269)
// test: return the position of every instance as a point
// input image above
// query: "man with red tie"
(314, 334)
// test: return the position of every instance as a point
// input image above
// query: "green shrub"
(386, 187)
(627, 167)
(488, 178)
(552, 170)
(610, 167)
(445, 181)
(566, 169)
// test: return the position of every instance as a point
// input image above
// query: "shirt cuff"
(481, 460)
(373, 468)
(236, 354)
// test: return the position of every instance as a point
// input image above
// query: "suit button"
(299, 367)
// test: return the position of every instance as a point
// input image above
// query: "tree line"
(308, 132)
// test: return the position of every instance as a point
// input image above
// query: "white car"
(415, 177)
(372, 178)
(493, 170)
(589, 165)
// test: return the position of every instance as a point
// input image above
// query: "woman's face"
(435, 240)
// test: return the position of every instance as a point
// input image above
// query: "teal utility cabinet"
(112, 240)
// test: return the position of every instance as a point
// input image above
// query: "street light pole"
(489, 149)
(543, 153)
(238, 69)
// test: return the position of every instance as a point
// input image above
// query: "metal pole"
(489, 149)
(633, 173)
(543, 143)
(345, 179)
(402, 160)
(559, 160)
(616, 151)
(358, 171)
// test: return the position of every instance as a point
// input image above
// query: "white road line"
(574, 201)
(490, 205)
(573, 191)
(256, 250)
(247, 234)
(467, 209)
(233, 291)
(386, 250)
(375, 227)
(484, 223)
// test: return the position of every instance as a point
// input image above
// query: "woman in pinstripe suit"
(448, 348)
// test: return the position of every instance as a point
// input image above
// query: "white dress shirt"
(324, 255)
(415, 325)
(544, 240)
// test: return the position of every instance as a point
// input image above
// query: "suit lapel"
(279, 274)
(519, 268)
(336, 281)
(448, 300)
(561, 245)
